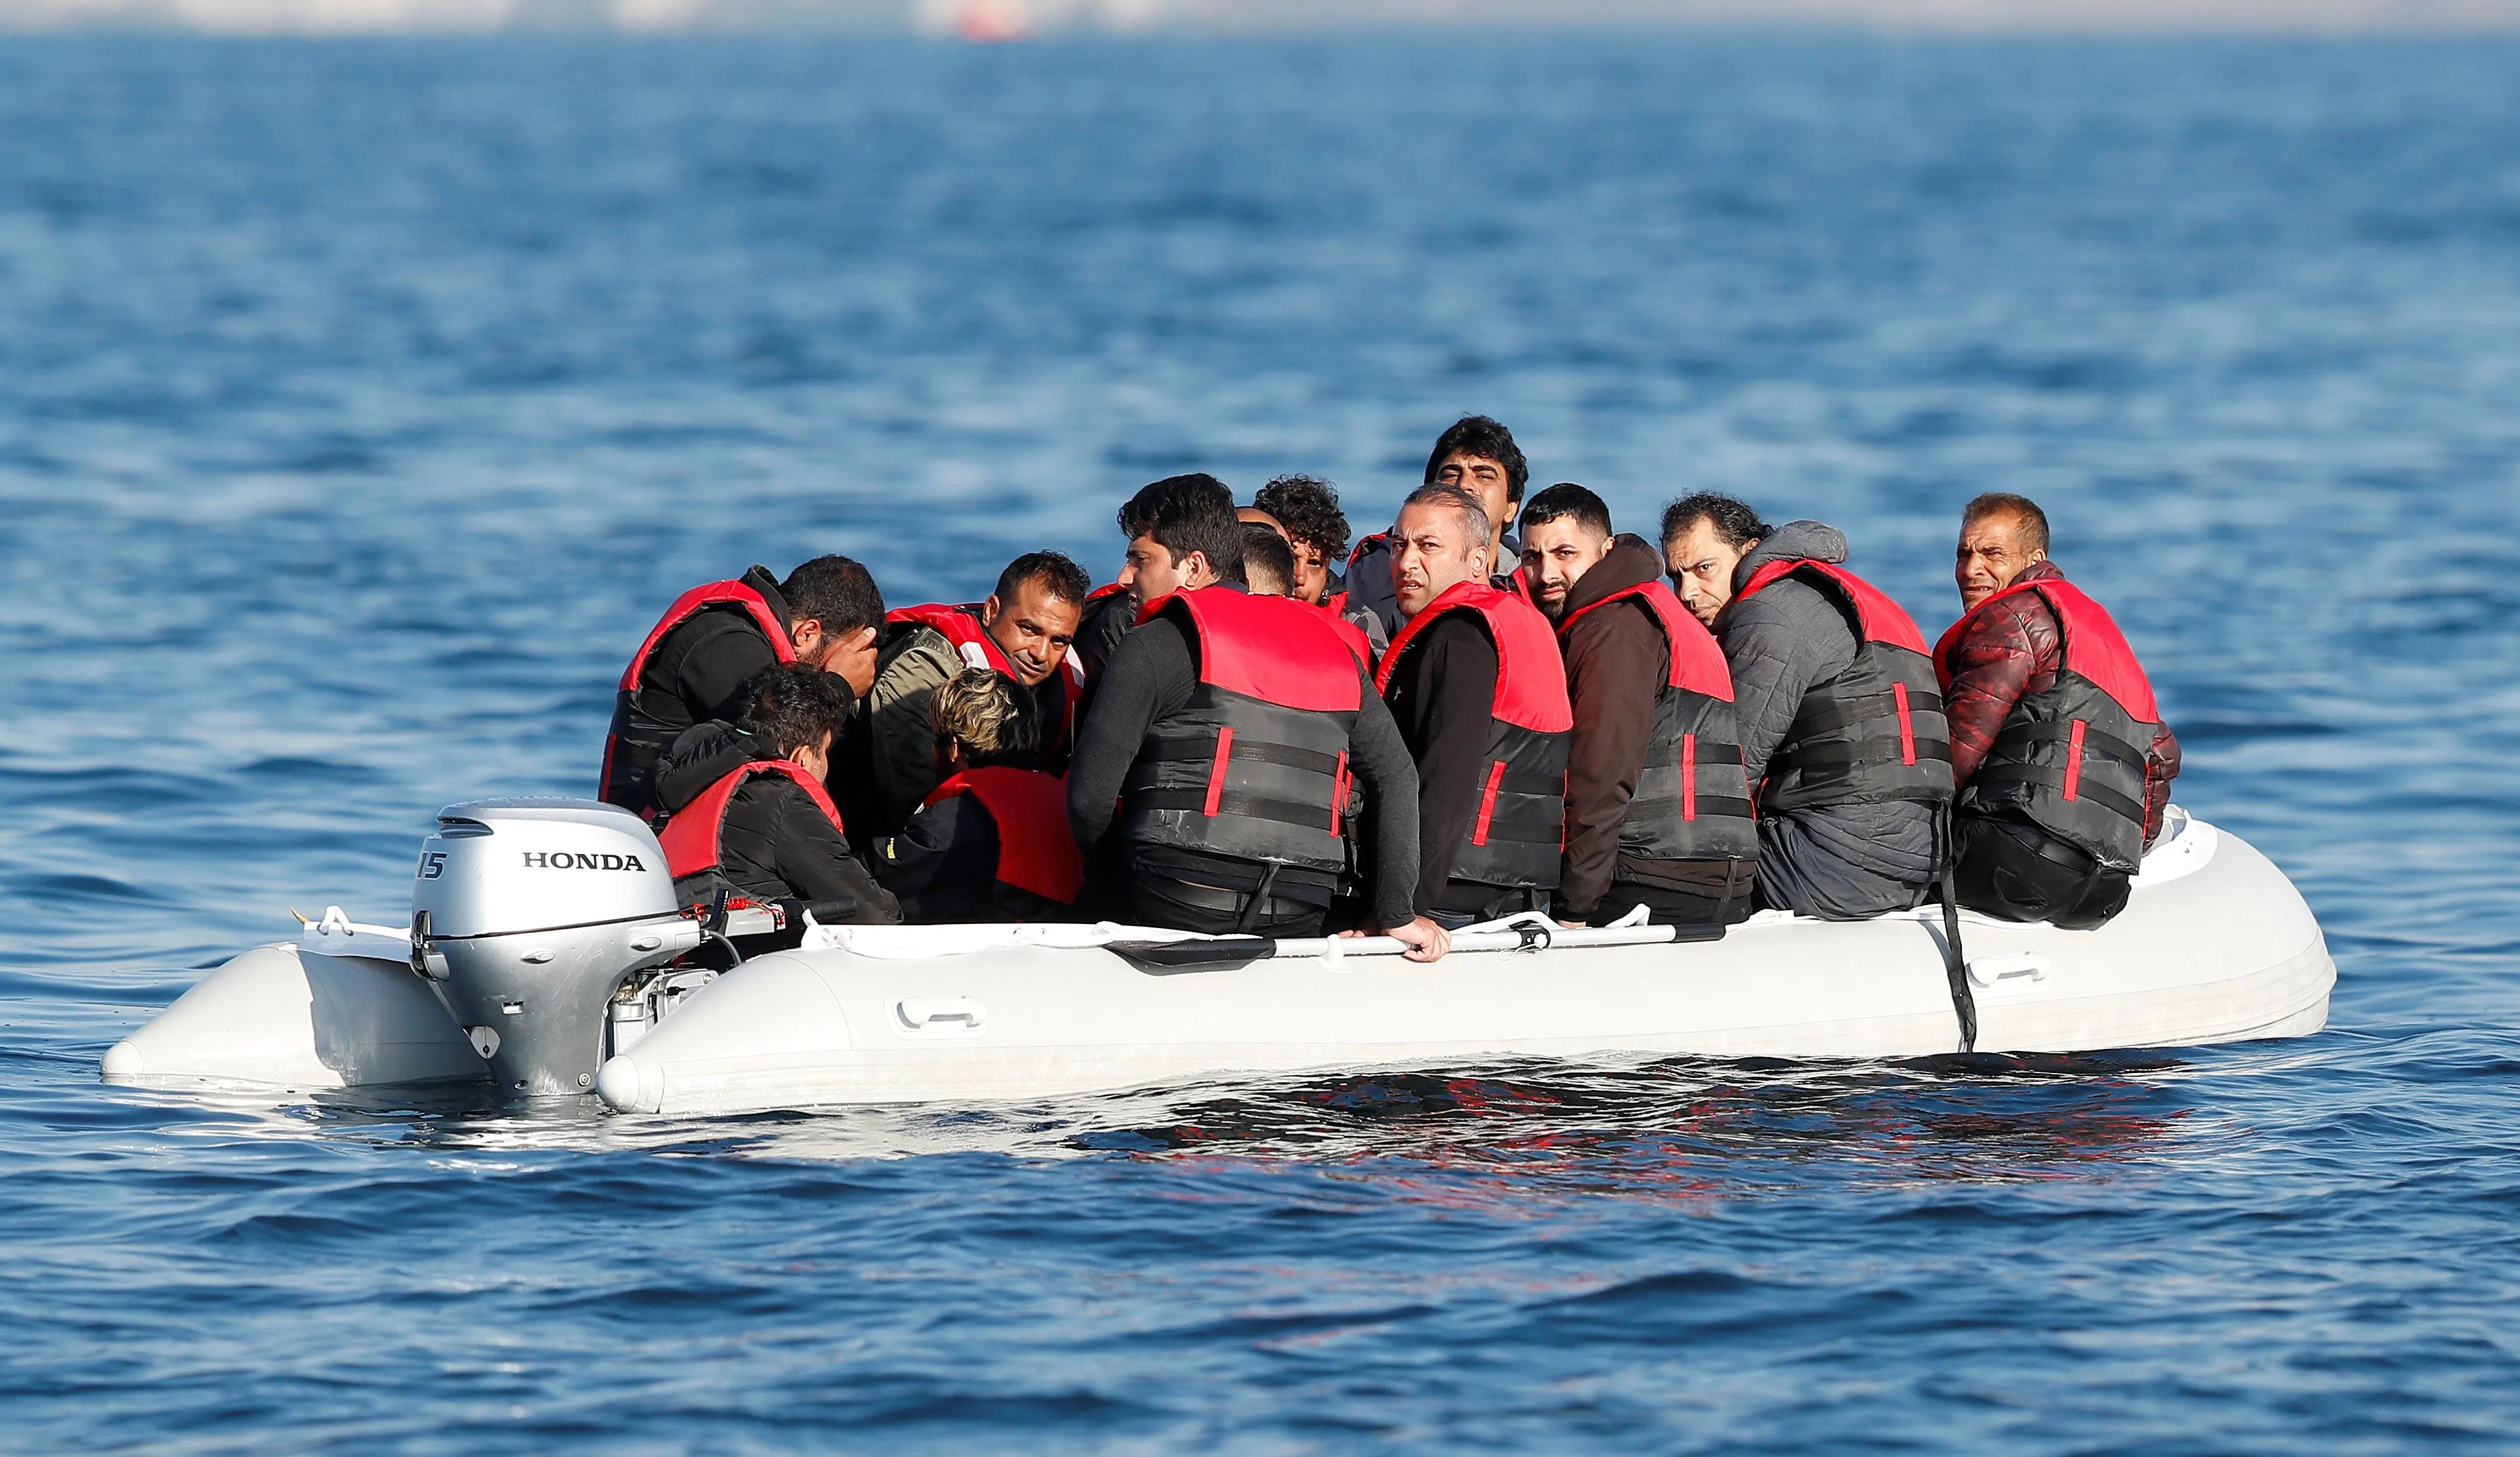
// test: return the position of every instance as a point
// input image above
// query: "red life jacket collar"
(706, 595)
(1697, 664)
(1531, 677)
(1228, 620)
(2094, 646)
(690, 838)
(960, 625)
(1880, 619)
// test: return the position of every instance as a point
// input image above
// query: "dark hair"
(1733, 519)
(1564, 499)
(1059, 577)
(2034, 521)
(1453, 498)
(1267, 556)
(1478, 436)
(791, 706)
(1308, 507)
(1188, 513)
(835, 592)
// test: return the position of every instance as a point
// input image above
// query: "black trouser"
(1155, 899)
(1681, 893)
(1467, 904)
(2015, 871)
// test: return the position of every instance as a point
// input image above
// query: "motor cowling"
(527, 915)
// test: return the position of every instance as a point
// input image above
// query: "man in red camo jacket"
(2002, 652)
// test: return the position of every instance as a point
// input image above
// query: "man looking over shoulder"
(765, 828)
(695, 660)
(1112, 610)
(1840, 715)
(1307, 509)
(1210, 788)
(1476, 456)
(1022, 630)
(1657, 803)
(1474, 682)
(2063, 761)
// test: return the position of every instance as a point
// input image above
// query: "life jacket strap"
(2055, 779)
(2063, 731)
(1230, 801)
(1203, 751)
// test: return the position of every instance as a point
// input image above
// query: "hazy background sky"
(1002, 19)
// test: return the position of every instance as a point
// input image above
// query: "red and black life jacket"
(2071, 758)
(1521, 826)
(692, 838)
(637, 739)
(1875, 732)
(1036, 849)
(1255, 766)
(1692, 797)
(960, 626)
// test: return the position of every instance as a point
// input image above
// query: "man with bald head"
(2062, 760)
(1475, 684)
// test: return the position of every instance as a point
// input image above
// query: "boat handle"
(939, 1013)
(2011, 972)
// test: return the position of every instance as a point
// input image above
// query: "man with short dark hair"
(1841, 716)
(1268, 560)
(1474, 682)
(1211, 784)
(1147, 572)
(695, 660)
(2061, 755)
(1307, 509)
(765, 829)
(1657, 803)
(1023, 630)
(1478, 457)
(1704, 536)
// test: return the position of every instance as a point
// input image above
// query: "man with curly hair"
(1306, 508)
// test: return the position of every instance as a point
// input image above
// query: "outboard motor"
(527, 915)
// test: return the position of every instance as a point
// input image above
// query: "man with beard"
(693, 666)
(1023, 630)
(1474, 682)
(1657, 803)
(1839, 712)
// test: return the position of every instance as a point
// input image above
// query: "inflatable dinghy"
(546, 951)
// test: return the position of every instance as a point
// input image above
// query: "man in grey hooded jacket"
(1837, 861)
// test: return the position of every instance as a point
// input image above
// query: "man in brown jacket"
(1657, 803)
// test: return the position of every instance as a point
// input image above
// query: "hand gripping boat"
(547, 952)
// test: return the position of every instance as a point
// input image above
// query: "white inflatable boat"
(546, 952)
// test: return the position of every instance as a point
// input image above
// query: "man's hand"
(1572, 925)
(1425, 941)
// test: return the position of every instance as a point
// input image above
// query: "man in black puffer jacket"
(749, 814)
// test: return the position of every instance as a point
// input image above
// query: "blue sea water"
(361, 403)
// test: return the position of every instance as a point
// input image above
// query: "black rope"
(1250, 916)
(1954, 961)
